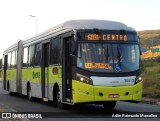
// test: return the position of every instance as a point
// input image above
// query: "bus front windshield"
(112, 58)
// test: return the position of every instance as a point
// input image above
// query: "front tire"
(109, 105)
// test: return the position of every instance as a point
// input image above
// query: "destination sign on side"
(117, 37)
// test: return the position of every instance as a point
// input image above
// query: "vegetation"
(151, 77)
(149, 38)
(150, 68)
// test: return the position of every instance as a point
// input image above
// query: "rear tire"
(59, 103)
(29, 93)
(10, 92)
(8, 88)
(109, 105)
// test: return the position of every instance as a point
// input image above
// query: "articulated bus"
(76, 62)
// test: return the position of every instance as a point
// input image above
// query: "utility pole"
(35, 24)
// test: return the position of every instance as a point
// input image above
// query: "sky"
(17, 24)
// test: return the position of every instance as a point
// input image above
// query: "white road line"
(5, 108)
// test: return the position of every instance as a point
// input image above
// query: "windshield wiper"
(119, 56)
(106, 53)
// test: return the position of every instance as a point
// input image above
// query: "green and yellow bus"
(76, 62)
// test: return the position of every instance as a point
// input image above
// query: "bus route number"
(108, 37)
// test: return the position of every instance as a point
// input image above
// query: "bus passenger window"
(54, 51)
(31, 56)
(13, 60)
(38, 49)
(15, 65)
(25, 57)
(9, 60)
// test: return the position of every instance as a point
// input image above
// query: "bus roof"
(89, 24)
(98, 24)
(78, 25)
(82, 25)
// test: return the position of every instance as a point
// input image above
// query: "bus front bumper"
(85, 93)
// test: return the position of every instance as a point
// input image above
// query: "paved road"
(85, 113)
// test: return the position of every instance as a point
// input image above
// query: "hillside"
(149, 38)
(150, 67)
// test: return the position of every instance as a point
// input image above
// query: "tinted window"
(38, 49)
(31, 56)
(54, 51)
(25, 57)
(13, 59)
(9, 60)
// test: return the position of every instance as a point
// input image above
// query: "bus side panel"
(137, 95)
(8, 80)
(32, 76)
(82, 92)
(25, 79)
(55, 76)
(36, 82)
(11, 77)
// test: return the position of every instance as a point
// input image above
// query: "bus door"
(5, 70)
(45, 71)
(67, 71)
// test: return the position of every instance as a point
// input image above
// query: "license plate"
(113, 96)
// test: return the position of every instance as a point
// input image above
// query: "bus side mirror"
(140, 52)
(140, 46)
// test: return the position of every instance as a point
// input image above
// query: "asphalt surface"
(49, 112)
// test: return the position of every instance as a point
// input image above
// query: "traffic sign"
(143, 49)
(155, 50)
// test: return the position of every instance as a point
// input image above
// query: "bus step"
(45, 99)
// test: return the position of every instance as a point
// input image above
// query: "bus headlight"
(84, 79)
(138, 79)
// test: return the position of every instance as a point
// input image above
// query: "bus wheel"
(109, 105)
(58, 100)
(29, 93)
(9, 90)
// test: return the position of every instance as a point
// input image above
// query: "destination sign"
(109, 37)
(97, 66)
(114, 35)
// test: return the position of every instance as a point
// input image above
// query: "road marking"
(4, 108)
(1, 110)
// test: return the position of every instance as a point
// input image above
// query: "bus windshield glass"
(109, 58)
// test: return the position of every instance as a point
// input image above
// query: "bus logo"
(36, 75)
